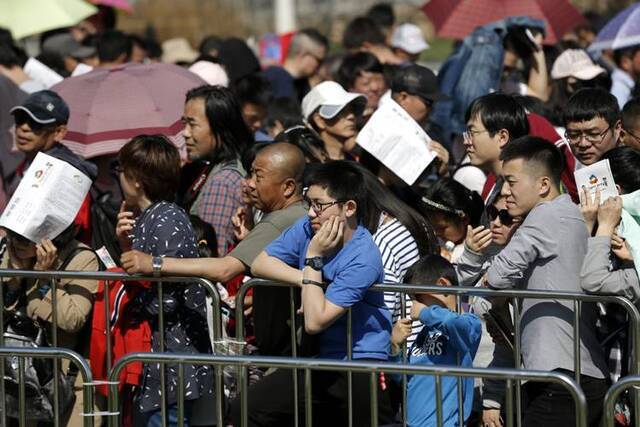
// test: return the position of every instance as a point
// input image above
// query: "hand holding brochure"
(47, 199)
(596, 176)
(395, 139)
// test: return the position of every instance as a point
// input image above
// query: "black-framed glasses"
(636, 137)
(575, 136)
(319, 207)
(503, 214)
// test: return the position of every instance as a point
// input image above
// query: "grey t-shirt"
(546, 253)
(267, 230)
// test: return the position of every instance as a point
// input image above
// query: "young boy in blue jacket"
(446, 334)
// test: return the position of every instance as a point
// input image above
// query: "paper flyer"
(46, 200)
(397, 141)
(596, 176)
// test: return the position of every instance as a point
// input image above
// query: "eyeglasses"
(469, 134)
(575, 136)
(503, 214)
(636, 137)
(319, 207)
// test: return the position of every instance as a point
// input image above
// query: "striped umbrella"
(622, 31)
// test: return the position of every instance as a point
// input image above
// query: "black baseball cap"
(44, 107)
(417, 80)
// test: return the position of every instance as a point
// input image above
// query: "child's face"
(443, 300)
(448, 229)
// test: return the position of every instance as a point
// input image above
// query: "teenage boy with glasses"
(592, 122)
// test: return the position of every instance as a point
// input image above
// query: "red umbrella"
(458, 18)
(111, 105)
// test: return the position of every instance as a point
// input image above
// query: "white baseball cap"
(409, 38)
(330, 98)
(575, 63)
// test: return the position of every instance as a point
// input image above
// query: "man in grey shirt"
(546, 253)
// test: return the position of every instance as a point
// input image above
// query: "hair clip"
(203, 242)
(442, 207)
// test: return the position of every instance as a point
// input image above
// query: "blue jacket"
(445, 336)
(472, 70)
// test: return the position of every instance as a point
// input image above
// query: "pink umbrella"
(111, 105)
(118, 4)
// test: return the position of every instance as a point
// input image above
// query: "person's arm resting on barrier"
(533, 240)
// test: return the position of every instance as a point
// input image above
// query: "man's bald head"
(285, 160)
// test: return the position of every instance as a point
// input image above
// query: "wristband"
(312, 282)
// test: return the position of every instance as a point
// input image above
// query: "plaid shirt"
(218, 201)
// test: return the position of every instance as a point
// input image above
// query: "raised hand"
(124, 227)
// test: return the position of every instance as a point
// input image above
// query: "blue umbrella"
(622, 31)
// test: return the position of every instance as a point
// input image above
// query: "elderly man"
(276, 189)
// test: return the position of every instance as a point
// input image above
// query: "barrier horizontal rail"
(514, 294)
(48, 353)
(373, 368)
(55, 276)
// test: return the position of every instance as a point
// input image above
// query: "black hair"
(533, 104)
(6, 37)
(315, 36)
(205, 237)
(306, 140)
(384, 201)
(562, 90)
(112, 44)
(452, 199)
(428, 269)
(284, 110)
(250, 154)
(154, 49)
(536, 150)
(238, 58)
(516, 40)
(498, 111)
(589, 103)
(253, 89)
(362, 30)
(625, 168)
(382, 14)
(631, 113)
(342, 181)
(11, 56)
(628, 52)
(208, 44)
(355, 63)
(225, 120)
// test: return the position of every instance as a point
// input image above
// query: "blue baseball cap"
(44, 107)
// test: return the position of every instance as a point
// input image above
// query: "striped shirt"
(399, 252)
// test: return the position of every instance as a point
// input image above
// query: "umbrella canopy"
(27, 17)
(109, 106)
(622, 31)
(458, 18)
(118, 4)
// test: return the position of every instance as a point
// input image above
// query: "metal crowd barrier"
(630, 382)
(516, 295)
(56, 354)
(308, 365)
(55, 276)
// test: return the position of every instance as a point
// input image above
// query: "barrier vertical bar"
(576, 339)
(438, 384)
(21, 393)
(3, 393)
(56, 362)
(308, 392)
(162, 366)
(349, 375)
(294, 353)
(180, 395)
(458, 298)
(373, 395)
(509, 403)
(517, 351)
(403, 311)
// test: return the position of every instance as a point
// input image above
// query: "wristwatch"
(315, 262)
(156, 263)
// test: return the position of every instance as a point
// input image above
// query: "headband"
(442, 207)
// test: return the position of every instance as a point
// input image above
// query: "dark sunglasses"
(21, 118)
(503, 214)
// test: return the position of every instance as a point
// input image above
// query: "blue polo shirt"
(350, 272)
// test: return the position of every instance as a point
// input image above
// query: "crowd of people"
(275, 186)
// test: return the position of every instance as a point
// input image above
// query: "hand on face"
(124, 227)
(327, 239)
(46, 255)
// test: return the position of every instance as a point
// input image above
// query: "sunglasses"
(21, 118)
(503, 214)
